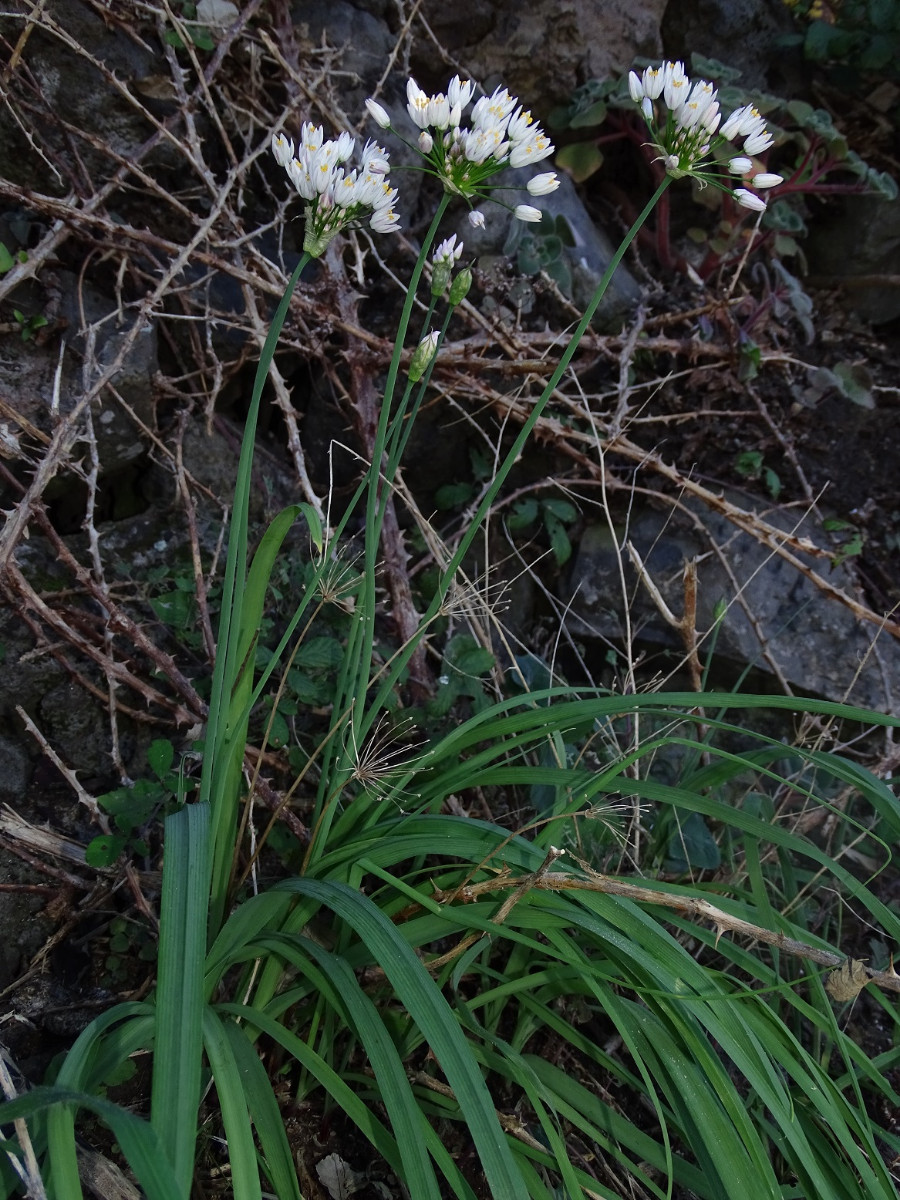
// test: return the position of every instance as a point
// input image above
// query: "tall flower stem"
(375, 511)
(515, 450)
(220, 781)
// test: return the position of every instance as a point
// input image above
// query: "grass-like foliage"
(447, 984)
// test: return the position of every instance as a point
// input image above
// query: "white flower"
(496, 107)
(543, 185)
(344, 147)
(385, 220)
(766, 180)
(448, 251)
(476, 218)
(749, 200)
(686, 125)
(741, 122)
(459, 92)
(537, 146)
(653, 81)
(337, 198)
(675, 84)
(417, 103)
(499, 131)
(518, 128)
(379, 115)
(282, 148)
(527, 212)
(700, 102)
(757, 142)
(311, 136)
(439, 111)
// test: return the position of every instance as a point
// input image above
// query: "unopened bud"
(459, 289)
(379, 114)
(749, 200)
(426, 142)
(424, 353)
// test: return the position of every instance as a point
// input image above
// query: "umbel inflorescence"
(686, 125)
(337, 196)
(500, 133)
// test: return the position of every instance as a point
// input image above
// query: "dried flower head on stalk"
(337, 198)
(501, 133)
(685, 123)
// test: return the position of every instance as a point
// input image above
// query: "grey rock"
(364, 40)
(543, 52)
(859, 237)
(77, 89)
(76, 728)
(815, 641)
(746, 34)
(14, 769)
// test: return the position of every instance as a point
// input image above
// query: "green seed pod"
(424, 353)
(440, 278)
(459, 289)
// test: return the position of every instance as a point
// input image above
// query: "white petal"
(653, 80)
(767, 180)
(757, 142)
(283, 149)
(476, 218)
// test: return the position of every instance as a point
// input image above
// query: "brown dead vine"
(692, 907)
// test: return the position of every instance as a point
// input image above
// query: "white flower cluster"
(685, 121)
(337, 197)
(449, 251)
(500, 133)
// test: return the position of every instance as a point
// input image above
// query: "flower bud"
(459, 288)
(740, 165)
(767, 180)
(426, 141)
(424, 353)
(543, 185)
(527, 212)
(749, 200)
(476, 218)
(378, 114)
